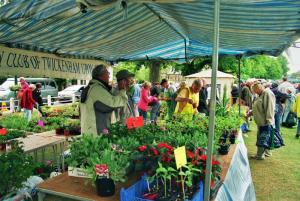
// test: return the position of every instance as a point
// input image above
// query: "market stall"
(170, 30)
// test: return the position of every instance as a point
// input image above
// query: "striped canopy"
(114, 30)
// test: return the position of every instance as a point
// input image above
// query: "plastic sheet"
(238, 185)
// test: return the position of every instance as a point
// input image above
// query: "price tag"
(180, 157)
(3, 131)
(134, 122)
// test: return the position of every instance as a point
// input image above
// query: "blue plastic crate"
(135, 192)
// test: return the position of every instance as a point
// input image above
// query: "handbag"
(269, 138)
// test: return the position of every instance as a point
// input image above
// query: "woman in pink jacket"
(145, 98)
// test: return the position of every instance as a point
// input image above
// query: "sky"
(293, 55)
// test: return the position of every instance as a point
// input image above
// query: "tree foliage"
(259, 66)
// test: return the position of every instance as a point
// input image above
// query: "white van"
(49, 87)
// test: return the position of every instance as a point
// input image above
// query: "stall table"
(37, 142)
(74, 187)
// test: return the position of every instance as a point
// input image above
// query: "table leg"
(57, 159)
(35, 156)
(43, 155)
(62, 156)
(41, 196)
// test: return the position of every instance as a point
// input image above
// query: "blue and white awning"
(138, 30)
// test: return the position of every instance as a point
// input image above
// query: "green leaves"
(15, 168)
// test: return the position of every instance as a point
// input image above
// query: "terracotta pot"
(66, 132)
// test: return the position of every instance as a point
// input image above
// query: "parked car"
(67, 94)
(49, 87)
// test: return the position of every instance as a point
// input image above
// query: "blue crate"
(135, 192)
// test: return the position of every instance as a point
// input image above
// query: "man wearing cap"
(98, 102)
(121, 114)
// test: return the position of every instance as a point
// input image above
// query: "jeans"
(277, 118)
(298, 127)
(136, 110)
(154, 112)
(143, 114)
(27, 114)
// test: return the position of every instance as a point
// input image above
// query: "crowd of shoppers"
(272, 105)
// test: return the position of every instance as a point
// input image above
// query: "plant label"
(180, 157)
(40, 123)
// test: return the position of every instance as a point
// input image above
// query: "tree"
(155, 71)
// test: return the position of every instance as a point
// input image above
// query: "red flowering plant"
(166, 153)
(146, 157)
(198, 159)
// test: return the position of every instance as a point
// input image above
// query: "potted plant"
(223, 148)
(15, 168)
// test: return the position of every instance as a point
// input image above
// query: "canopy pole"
(16, 80)
(212, 108)
(239, 77)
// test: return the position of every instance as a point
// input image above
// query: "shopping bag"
(264, 136)
(276, 139)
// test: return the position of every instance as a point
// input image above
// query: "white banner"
(36, 64)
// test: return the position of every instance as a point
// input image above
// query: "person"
(188, 99)
(247, 100)
(296, 109)
(297, 86)
(97, 102)
(27, 102)
(203, 107)
(280, 100)
(36, 95)
(234, 93)
(288, 107)
(23, 86)
(155, 91)
(145, 99)
(169, 97)
(286, 86)
(263, 114)
(134, 95)
(121, 114)
(246, 95)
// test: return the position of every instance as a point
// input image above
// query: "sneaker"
(268, 154)
(257, 157)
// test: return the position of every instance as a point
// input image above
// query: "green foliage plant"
(15, 168)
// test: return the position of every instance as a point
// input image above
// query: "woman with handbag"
(145, 99)
(263, 113)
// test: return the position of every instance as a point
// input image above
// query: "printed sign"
(36, 64)
(180, 157)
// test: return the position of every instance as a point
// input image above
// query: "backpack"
(291, 120)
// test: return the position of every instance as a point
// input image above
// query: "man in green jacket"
(98, 103)
(263, 114)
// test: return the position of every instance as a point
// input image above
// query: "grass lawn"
(276, 178)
